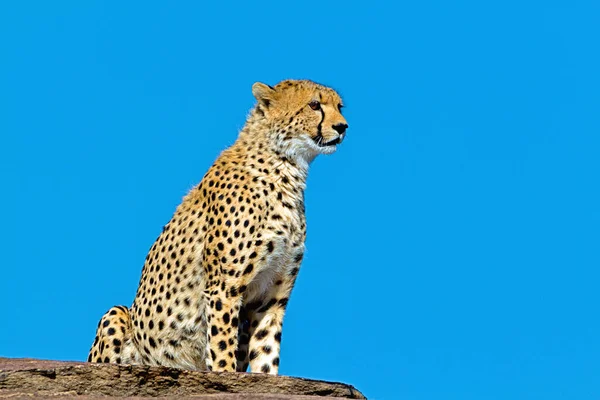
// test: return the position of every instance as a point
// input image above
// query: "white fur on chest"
(286, 249)
(278, 264)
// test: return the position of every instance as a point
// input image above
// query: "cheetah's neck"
(261, 136)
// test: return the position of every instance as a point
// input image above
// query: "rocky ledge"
(30, 378)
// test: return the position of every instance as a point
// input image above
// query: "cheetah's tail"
(113, 342)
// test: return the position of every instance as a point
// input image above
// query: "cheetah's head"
(305, 117)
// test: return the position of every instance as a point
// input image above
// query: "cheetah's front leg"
(243, 341)
(266, 322)
(222, 332)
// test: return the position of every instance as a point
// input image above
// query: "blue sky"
(452, 239)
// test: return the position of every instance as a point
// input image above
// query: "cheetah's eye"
(340, 106)
(315, 105)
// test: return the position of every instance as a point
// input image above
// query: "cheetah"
(216, 283)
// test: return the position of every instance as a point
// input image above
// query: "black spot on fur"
(261, 334)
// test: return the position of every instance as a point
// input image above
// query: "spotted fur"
(216, 283)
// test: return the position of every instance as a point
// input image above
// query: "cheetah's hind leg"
(113, 342)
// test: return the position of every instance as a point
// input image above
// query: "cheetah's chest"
(284, 236)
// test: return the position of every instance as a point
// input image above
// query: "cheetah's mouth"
(333, 142)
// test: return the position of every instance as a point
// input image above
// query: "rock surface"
(30, 378)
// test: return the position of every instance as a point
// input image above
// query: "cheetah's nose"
(340, 128)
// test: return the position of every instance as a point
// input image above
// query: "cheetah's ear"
(263, 93)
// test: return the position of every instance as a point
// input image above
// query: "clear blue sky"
(453, 240)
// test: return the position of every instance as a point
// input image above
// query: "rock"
(26, 378)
